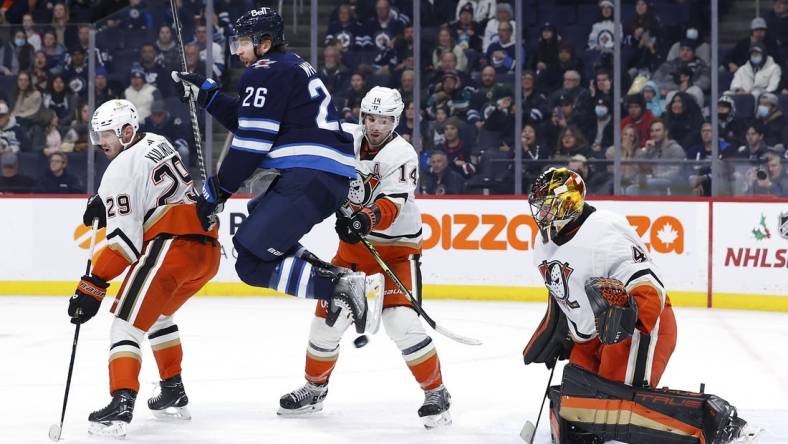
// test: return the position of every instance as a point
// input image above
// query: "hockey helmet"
(114, 115)
(256, 24)
(556, 198)
(382, 101)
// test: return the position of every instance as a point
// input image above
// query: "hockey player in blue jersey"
(282, 119)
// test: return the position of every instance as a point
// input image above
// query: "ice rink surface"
(242, 354)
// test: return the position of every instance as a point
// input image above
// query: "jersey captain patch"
(556, 277)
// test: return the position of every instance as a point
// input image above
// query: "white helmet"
(114, 115)
(382, 101)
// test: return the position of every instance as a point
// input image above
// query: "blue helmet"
(259, 23)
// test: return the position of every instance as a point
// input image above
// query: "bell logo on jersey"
(362, 188)
(556, 277)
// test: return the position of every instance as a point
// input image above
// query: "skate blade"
(748, 435)
(374, 286)
(303, 411)
(109, 429)
(173, 414)
(435, 421)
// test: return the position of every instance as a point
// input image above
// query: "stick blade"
(54, 432)
(527, 432)
(456, 337)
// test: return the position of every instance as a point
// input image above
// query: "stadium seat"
(783, 102)
(8, 88)
(745, 105)
(587, 14)
(553, 14)
(489, 139)
(672, 14)
(32, 164)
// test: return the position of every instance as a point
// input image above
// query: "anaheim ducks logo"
(556, 279)
(362, 188)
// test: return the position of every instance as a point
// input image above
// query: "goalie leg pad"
(614, 411)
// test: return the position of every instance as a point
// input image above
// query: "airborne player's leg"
(267, 242)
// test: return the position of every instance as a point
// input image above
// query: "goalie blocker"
(586, 408)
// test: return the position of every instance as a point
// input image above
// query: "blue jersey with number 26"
(282, 118)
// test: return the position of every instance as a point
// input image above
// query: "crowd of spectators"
(467, 116)
(467, 71)
(44, 46)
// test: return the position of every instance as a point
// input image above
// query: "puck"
(54, 432)
(361, 341)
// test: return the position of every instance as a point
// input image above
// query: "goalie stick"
(528, 431)
(55, 430)
(416, 305)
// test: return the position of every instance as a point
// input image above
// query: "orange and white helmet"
(557, 197)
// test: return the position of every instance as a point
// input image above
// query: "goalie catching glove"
(615, 312)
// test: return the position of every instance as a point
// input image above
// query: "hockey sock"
(125, 361)
(320, 362)
(422, 360)
(166, 345)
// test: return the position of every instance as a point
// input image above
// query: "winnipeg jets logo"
(264, 63)
(362, 188)
(556, 279)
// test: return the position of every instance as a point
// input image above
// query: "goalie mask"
(114, 115)
(556, 199)
(380, 101)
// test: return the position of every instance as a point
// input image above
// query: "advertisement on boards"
(472, 243)
(751, 248)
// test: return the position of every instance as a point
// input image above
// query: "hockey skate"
(170, 402)
(351, 294)
(112, 420)
(435, 410)
(308, 399)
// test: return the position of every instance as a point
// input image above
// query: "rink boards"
(721, 253)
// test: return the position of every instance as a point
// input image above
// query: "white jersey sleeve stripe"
(262, 125)
(253, 145)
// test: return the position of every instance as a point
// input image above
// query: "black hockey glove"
(615, 312)
(95, 209)
(211, 201)
(190, 85)
(350, 229)
(87, 299)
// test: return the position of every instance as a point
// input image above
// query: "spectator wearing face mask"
(740, 53)
(774, 122)
(604, 127)
(760, 74)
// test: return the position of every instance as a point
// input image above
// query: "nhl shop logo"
(782, 224)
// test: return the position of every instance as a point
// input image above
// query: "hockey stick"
(192, 105)
(55, 430)
(529, 429)
(416, 305)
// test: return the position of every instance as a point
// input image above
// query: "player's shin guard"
(125, 357)
(590, 407)
(165, 341)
